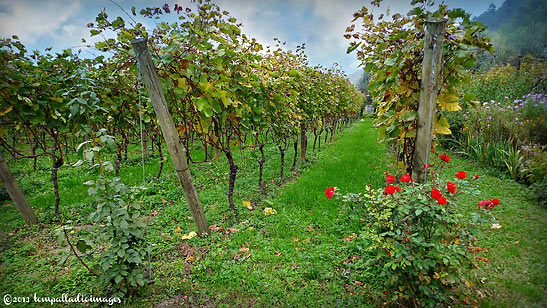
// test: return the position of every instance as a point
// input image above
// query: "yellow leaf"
(269, 211)
(178, 229)
(188, 236)
(182, 83)
(247, 204)
(442, 126)
(401, 165)
(207, 86)
(3, 132)
(448, 102)
(3, 113)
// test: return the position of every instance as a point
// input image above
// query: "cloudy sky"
(320, 24)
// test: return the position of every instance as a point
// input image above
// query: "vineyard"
(188, 165)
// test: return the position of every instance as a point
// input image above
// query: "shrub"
(500, 82)
(120, 238)
(424, 245)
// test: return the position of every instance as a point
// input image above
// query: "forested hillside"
(517, 27)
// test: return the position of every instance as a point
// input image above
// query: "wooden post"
(431, 67)
(15, 193)
(176, 151)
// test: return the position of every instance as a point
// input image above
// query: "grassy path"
(294, 257)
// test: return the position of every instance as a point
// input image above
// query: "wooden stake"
(15, 193)
(431, 67)
(176, 151)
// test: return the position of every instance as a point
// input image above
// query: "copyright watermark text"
(65, 298)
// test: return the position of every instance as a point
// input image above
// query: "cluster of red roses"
(487, 204)
(329, 192)
(390, 189)
(435, 193)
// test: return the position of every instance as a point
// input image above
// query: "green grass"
(297, 257)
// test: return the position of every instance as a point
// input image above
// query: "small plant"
(120, 239)
(423, 244)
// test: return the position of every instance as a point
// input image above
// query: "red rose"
(442, 200)
(427, 166)
(451, 187)
(390, 179)
(406, 178)
(435, 194)
(461, 175)
(329, 192)
(397, 188)
(485, 260)
(390, 189)
(496, 201)
(445, 158)
(476, 177)
(487, 204)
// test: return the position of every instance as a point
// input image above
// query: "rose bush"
(423, 244)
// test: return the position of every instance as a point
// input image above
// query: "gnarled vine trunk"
(295, 145)
(303, 142)
(261, 170)
(232, 180)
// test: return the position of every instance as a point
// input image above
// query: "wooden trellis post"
(176, 151)
(431, 68)
(15, 193)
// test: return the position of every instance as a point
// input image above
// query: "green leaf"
(118, 278)
(83, 245)
(200, 103)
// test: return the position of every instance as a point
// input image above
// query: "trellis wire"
(142, 156)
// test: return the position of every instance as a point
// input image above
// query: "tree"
(391, 49)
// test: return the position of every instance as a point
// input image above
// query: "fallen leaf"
(269, 211)
(244, 250)
(251, 228)
(295, 239)
(294, 266)
(216, 228)
(178, 229)
(247, 204)
(232, 230)
(309, 228)
(188, 236)
(350, 237)
(190, 259)
(277, 253)
(154, 213)
(495, 226)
